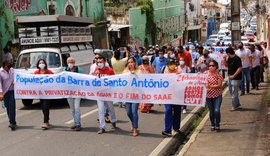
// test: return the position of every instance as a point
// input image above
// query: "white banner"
(220, 59)
(182, 89)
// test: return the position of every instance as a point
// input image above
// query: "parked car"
(221, 35)
(227, 40)
(244, 40)
(214, 37)
(209, 42)
(250, 37)
(253, 27)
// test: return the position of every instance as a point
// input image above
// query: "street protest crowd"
(237, 65)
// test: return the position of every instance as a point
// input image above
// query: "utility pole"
(235, 25)
(186, 22)
(258, 21)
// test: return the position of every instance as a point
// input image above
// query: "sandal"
(135, 132)
(45, 126)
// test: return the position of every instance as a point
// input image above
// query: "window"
(29, 60)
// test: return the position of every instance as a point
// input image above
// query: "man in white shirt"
(246, 58)
(255, 72)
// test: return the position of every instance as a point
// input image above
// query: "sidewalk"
(243, 133)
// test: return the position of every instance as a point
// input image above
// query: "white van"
(54, 38)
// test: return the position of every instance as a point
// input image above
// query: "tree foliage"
(148, 9)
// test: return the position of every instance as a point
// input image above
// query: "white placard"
(72, 39)
(39, 40)
(235, 25)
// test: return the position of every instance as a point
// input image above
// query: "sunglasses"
(212, 65)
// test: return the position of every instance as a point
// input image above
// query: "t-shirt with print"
(233, 64)
(106, 71)
(213, 80)
(244, 55)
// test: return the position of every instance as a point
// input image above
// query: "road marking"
(197, 130)
(5, 113)
(82, 116)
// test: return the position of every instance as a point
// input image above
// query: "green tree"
(151, 27)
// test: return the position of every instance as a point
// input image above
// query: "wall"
(169, 17)
(93, 9)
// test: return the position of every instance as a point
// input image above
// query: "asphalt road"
(30, 140)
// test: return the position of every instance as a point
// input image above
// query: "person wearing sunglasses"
(94, 65)
(214, 94)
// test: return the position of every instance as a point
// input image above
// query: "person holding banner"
(45, 103)
(7, 91)
(92, 69)
(101, 71)
(214, 94)
(74, 103)
(172, 112)
(145, 68)
(234, 64)
(132, 108)
(184, 69)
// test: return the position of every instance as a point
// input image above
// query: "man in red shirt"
(100, 71)
(184, 54)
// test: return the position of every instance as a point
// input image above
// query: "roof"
(53, 20)
(117, 27)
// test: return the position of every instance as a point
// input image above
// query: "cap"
(97, 51)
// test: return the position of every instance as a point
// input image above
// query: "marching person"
(184, 69)
(100, 71)
(256, 67)
(246, 58)
(45, 103)
(119, 65)
(132, 108)
(234, 65)
(98, 54)
(203, 61)
(214, 94)
(146, 68)
(172, 112)
(74, 103)
(7, 91)
(159, 61)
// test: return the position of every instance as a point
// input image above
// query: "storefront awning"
(117, 27)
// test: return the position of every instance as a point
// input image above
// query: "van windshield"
(29, 60)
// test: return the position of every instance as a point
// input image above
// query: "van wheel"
(27, 102)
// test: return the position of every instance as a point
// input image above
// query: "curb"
(171, 144)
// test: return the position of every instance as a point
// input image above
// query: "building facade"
(142, 24)
(93, 9)
(169, 19)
